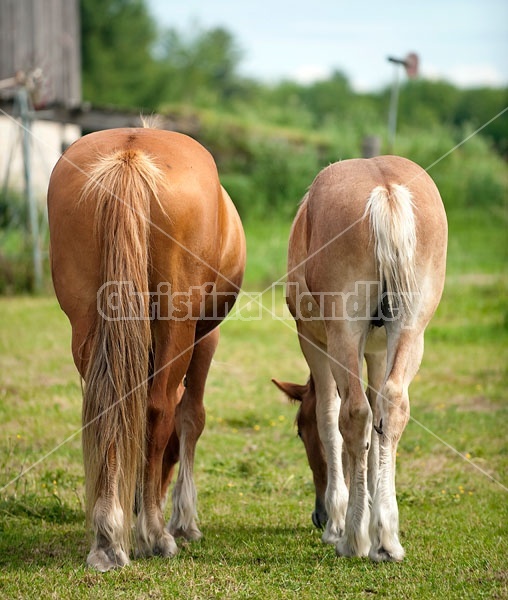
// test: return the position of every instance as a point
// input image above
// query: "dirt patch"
(472, 404)
(428, 466)
(482, 279)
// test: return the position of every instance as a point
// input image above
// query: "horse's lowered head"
(308, 433)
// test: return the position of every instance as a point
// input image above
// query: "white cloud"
(466, 76)
(306, 74)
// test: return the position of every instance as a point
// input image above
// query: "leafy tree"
(270, 140)
(201, 67)
(329, 97)
(424, 103)
(117, 63)
(476, 107)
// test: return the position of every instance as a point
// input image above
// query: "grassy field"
(255, 488)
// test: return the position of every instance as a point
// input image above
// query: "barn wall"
(47, 141)
(43, 34)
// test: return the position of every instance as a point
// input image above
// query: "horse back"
(332, 246)
(338, 199)
(189, 215)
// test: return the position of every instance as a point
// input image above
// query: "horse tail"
(121, 184)
(392, 222)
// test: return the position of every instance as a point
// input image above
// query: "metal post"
(26, 121)
(394, 102)
(410, 64)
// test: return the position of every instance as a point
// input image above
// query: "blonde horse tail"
(392, 222)
(121, 185)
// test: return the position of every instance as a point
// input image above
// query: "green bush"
(267, 168)
(16, 261)
(467, 171)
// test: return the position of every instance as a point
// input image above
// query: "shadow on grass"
(45, 508)
(41, 532)
(37, 531)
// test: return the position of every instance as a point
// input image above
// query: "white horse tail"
(392, 221)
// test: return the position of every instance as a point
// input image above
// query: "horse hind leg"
(106, 518)
(171, 363)
(171, 458)
(376, 368)
(404, 356)
(190, 421)
(355, 422)
(107, 551)
(327, 415)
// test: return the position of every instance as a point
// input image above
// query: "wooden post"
(371, 146)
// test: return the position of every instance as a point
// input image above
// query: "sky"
(462, 41)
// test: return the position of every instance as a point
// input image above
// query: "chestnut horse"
(366, 269)
(147, 256)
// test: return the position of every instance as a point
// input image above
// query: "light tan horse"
(366, 269)
(147, 256)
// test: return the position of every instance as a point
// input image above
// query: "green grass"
(477, 241)
(255, 488)
(266, 252)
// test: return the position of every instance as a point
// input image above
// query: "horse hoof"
(191, 534)
(166, 546)
(383, 555)
(163, 545)
(347, 549)
(105, 560)
(332, 533)
(319, 519)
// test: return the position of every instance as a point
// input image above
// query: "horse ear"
(294, 391)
